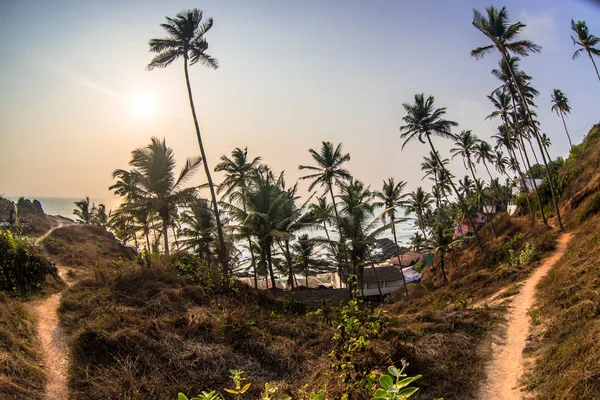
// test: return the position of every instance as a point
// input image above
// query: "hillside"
(566, 318)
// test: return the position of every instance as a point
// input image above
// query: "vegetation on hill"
(85, 246)
(566, 316)
(21, 372)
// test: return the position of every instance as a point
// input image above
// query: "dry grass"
(84, 246)
(21, 376)
(146, 333)
(478, 274)
(568, 308)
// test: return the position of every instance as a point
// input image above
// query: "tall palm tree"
(422, 120)
(560, 105)
(466, 144)
(83, 211)
(238, 173)
(586, 41)
(504, 39)
(185, 39)
(391, 197)
(327, 172)
(418, 202)
(157, 188)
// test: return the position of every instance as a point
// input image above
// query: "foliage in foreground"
(21, 268)
(393, 387)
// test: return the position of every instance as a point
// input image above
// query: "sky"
(75, 98)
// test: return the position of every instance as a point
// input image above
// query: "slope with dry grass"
(21, 374)
(567, 316)
(85, 246)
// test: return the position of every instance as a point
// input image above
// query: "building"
(390, 280)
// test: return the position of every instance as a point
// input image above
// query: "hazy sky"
(75, 98)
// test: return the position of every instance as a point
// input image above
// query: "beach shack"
(390, 280)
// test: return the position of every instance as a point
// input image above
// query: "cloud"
(540, 28)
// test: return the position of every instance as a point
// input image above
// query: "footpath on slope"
(54, 345)
(508, 364)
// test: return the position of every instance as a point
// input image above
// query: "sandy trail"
(507, 364)
(54, 345)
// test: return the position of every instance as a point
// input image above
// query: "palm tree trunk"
(306, 272)
(175, 238)
(481, 197)
(537, 138)
(562, 116)
(487, 169)
(288, 257)
(525, 159)
(442, 257)
(222, 250)
(166, 234)
(421, 221)
(458, 195)
(528, 164)
(252, 259)
(270, 265)
(337, 217)
(398, 255)
(532, 150)
(593, 62)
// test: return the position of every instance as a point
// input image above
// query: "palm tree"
(99, 215)
(586, 41)
(185, 38)
(503, 36)
(327, 172)
(238, 172)
(417, 203)
(423, 120)
(156, 187)
(547, 143)
(466, 144)
(483, 153)
(198, 228)
(83, 211)
(417, 241)
(304, 250)
(356, 207)
(391, 197)
(560, 104)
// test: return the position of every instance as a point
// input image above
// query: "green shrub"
(592, 208)
(20, 268)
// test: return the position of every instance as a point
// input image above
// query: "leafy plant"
(395, 385)
(238, 390)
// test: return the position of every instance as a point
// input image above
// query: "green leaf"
(408, 392)
(394, 371)
(232, 391)
(181, 396)
(407, 381)
(386, 381)
(380, 394)
(283, 397)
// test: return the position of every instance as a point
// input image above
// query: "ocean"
(64, 206)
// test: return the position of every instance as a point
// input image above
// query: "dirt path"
(54, 345)
(507, 364)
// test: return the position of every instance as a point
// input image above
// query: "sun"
(141, 105)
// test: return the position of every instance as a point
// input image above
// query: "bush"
(20, 268)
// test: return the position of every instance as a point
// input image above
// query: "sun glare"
(141, 105)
